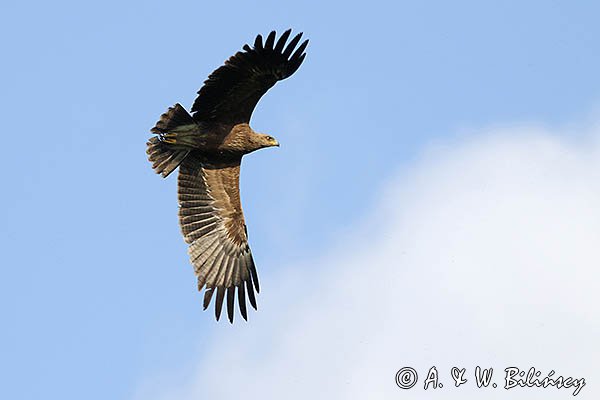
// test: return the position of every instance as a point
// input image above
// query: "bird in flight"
(208, 147)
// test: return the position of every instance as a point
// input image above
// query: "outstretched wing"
(212, 222)
(231, 92)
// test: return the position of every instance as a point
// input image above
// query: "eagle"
(207, 146)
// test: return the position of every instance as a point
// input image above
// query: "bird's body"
(208, 147)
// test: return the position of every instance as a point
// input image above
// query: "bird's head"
(261, 141)
(268, 141)
(246, 140)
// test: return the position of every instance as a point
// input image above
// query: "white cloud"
(487, 252)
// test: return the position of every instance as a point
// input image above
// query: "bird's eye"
(270, 138)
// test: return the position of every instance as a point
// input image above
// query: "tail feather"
(164, 157)
(175, 116)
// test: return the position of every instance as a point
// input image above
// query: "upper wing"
(231, 92)
(212, 223)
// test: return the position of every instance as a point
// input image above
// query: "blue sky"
(98, 296)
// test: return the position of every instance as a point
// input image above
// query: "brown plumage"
(208, 147)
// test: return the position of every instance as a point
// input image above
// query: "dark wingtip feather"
(270, 41)
(282, 40)
(300, 50)
(242, 301)
(251, 297)
(254, 274)
(219, 301)
(208, 293)
(258, 42)
(290, 47)
(230, 300)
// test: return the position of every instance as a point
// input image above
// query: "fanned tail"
(165, 157)
(175, 117)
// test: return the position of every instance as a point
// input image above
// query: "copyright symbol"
(406, 378)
